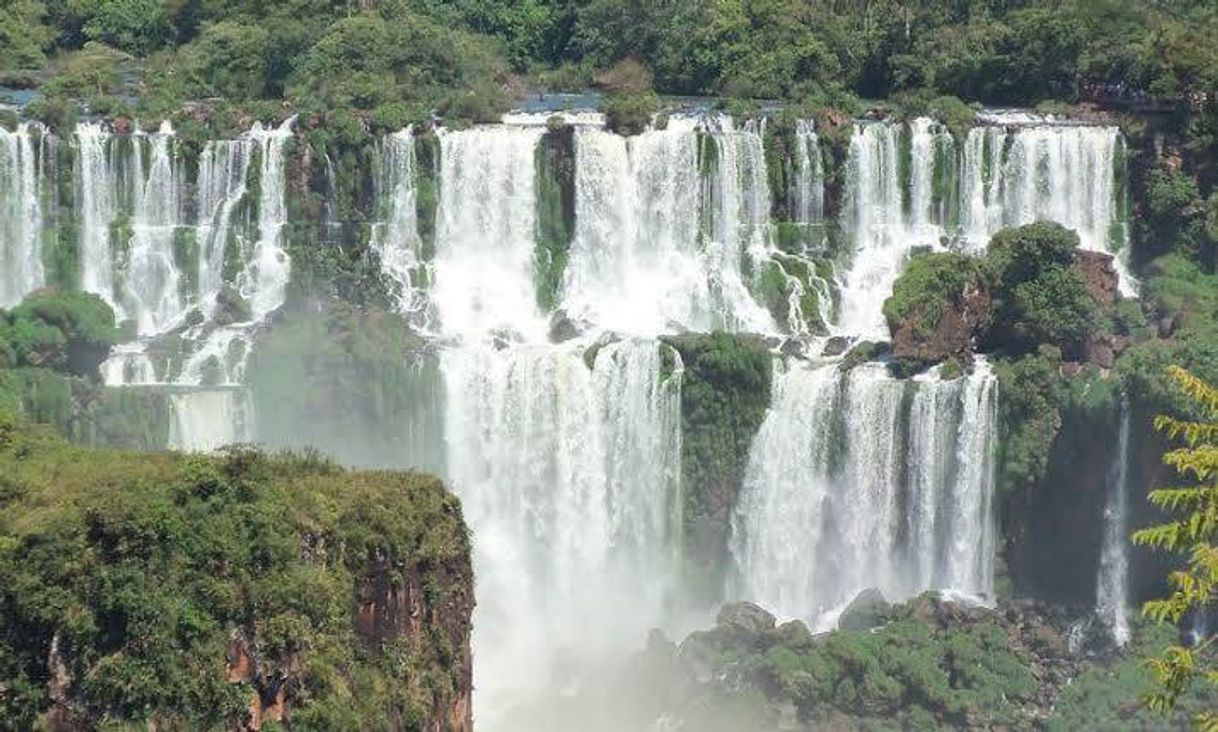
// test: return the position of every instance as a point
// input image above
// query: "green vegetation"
(69, 332)
(925, 665)
(1107, 696)
(930, 282)
(126, 580)
(1191, 531)
(725, 391)
(397, 60)
(1038, 296)
(555, 164)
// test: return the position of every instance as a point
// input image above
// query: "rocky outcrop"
(1018, 658)
(1099, 276)
(1102, 283)
(867, 610)
(952, 334)
(394, 609)
(273, 592)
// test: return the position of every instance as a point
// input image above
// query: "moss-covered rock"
(554, 160)
(939, 305)
(725, 391)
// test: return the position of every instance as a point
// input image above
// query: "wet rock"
(231, 307)
(745, 616)
(961, 321)
(122, 125)
(793, 347)
(867, 610)
(564, 328)
(836, 346)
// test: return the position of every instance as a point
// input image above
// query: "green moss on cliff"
(127, 581)
(725, 391)
(555, 163)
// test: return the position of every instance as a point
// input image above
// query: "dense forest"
(395, 60)
(358, 150)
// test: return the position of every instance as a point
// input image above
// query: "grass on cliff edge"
(142, 565)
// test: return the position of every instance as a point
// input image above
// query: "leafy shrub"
(71, 332)
(1038, 297)
(929, 282)
(629, 113)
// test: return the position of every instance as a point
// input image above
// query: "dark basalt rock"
(836, 346)
(564, 328)
(231, 307)
(953, 335)
(745, 616)
(867, 610)
(1099, 276)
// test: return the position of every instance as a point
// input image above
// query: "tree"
(1192, 533)
(1039, 297)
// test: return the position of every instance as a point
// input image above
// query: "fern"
(1193, 533)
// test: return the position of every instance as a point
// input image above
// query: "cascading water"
(1064, 173)
(21, 222)
(883, 228)
(569, 481)
(484, 233)
(223, 175)
(150, 284)
(96, 189)
(1112, 583)
(848, 488)
(206, 420)
(807, 195)
(660, 231)
(397, 240)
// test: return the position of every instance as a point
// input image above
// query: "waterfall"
(97, 187)
(1112, 584)
(859, 480)
(205, 420)
(882, 228)
(1064, 173)
(484, 233)
(20, 215)
(397, 240)
(568, 477)
(660, 231)
(220, 352)
(223, 173)
(808, 189)
(738, 199)
(150, 282)
(263, 282)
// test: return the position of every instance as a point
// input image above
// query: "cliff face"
(227, 592)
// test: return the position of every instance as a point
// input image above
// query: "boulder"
(836, 346)
(1099, 276)
(563, 327)
(793, 347)
(745, 616)
(231, 307)
(867, 610)
(961, 321)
